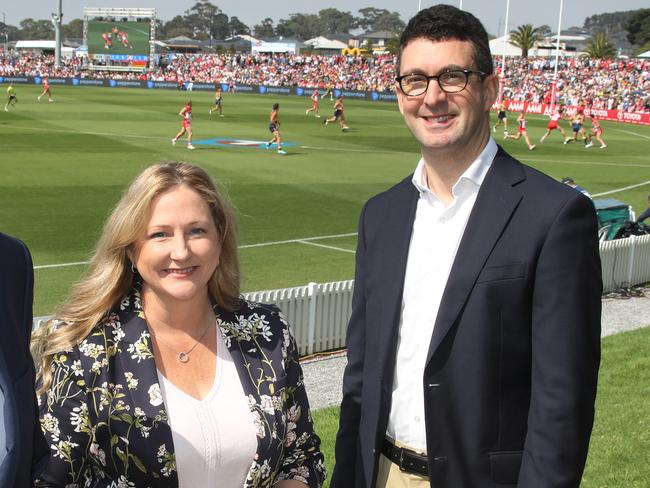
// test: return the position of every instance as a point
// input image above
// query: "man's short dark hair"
(444, 23)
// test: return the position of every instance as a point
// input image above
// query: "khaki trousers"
(390, 476)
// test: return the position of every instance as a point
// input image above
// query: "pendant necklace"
(182, 356)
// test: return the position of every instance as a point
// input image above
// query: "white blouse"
(214, 439)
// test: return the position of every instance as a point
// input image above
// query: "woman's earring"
(134, 270)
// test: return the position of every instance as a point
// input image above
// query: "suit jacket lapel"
(496, 201)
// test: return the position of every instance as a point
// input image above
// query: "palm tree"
(525, 38)
(600, 47)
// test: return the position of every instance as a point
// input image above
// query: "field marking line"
(621, 189)
(583, 163)
(293, 241)
(305, 240)
(326, 246)
(371, 151)
(45, 266)
(632, 133)
(88, 133)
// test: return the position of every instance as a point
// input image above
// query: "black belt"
(407, 460)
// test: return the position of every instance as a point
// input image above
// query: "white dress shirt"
(437, 231)
(215, 439)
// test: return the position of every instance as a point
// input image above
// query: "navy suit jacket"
(511, 372)
(25, 443)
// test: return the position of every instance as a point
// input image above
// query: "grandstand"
(621, 85)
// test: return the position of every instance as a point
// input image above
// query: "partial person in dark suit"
(22, 444)
(645, 214)
(474, 340)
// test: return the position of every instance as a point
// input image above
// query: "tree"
(392, 45)
(600, 47)
(264, 29)
(302, 26)
(73, 29)
(376, 19)
(525, 38)
(9, 32)
(638, 27)
(36, 29)
(333, 21)
(236, 26)
(368, 46)
(207, 20)
(178, 26)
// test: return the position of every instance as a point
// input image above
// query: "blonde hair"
(110, 276)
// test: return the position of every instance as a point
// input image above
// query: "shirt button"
(417, 418)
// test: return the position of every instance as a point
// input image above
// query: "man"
(474, 339)
(567, 180)
(22, 446)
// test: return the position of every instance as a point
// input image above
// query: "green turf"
(621, 437)
(64, 165)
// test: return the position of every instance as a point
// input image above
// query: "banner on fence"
(600, 114)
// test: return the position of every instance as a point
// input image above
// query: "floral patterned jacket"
(106, 422)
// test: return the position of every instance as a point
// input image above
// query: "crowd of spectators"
(603, 84)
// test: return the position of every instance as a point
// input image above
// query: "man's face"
(446, 124)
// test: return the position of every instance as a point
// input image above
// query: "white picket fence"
(319, 312)
(625, 262)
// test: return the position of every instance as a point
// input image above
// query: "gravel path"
(323, 377)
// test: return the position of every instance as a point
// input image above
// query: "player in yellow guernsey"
(11, 97)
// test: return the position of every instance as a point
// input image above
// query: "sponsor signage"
(15, 79)
(600, 114)
(86, 82)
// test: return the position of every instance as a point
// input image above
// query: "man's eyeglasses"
(452, 81)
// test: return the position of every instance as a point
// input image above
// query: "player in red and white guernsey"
(315, 97)
(521, 120)
(46, 89)
(554, 124)
(596, 130)
(186, 114)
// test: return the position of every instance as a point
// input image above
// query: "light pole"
(56, 20)
(557, 56)
(502, 77)
(6, 33)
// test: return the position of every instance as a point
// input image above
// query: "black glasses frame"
(454, 88)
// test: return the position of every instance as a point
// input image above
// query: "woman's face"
(180, 249)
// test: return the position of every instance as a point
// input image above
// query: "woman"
(186, 115)
(338, 115)
(156, 373)
(522, 123)
(274, 128)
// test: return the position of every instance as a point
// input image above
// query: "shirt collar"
(475, 173)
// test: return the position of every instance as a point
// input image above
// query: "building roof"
(321, 42)
(384, 34)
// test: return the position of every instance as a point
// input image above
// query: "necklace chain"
(182, 356)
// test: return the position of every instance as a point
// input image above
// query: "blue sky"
(491, 12)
